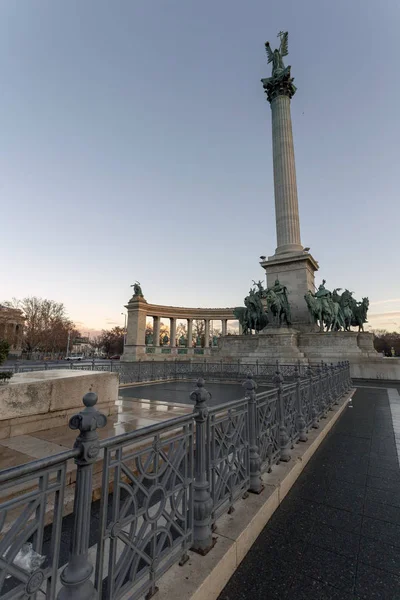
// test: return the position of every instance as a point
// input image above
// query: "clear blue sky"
(135, 143)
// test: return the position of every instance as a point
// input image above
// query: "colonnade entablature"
(139, 310)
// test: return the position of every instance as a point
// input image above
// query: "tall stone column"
(206, 333)
(189, 333)
(172, 332)
(293, 266)
(156, 331)
(285, 185)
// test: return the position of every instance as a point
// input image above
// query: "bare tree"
(47, 325)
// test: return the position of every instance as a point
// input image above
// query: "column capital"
(279, 86)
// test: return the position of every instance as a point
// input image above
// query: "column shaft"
(224, 324)
(189, 333)
(286, 202)
(172, 332)
(206, 333)
(156, 331)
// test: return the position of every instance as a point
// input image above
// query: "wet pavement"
(337, 533)
(179, 392)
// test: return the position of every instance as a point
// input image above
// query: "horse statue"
(360, 314)
(319, 309)
(252, 316)
(279, 309)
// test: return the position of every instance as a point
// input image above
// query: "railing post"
(284, 441)
(334, 384)
(203, 504)
(348, 376)
(152, 369)
(343, 377)
(323, 403)
(93, 364)
(250, 387)
(75, 578)
(301, 424)
(314, 423)
(329, 401)
(139, 368)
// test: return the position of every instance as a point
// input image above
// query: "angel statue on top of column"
(279, 71)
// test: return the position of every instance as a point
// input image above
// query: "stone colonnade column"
(189, 333)
(224, 324)
(172, 332)
(206, 333)
(156, 331)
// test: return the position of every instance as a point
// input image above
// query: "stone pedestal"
(135, 346)
(296, 272)
(280, 343)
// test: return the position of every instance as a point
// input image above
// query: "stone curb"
(203, 578)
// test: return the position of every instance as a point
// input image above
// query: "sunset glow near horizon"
(136, 145)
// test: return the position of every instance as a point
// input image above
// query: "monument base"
(295, 271)
(270, 344)
(287, 344)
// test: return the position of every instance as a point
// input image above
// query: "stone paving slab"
(336, 535)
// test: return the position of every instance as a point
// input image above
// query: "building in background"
(12, 328)
(82, 346)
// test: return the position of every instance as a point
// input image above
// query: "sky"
(135, 144)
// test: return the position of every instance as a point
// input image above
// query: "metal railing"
(163, 488)
(152, 370)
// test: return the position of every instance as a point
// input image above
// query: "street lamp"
(124, 328)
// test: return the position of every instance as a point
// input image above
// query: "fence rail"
(163, 488)
(152, 370)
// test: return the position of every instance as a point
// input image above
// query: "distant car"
(73, 357)
(115, 357)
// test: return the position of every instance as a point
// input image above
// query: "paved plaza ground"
(337, 533)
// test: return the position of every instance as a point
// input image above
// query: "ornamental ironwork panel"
(306, 402)
(289, 396)
(231, 369)
(129, 373)
(145, 371)
(268, 429)
(146, 520)
(27, 503)
(214, 368)
(266, 370)
(317, 396)
(183, 368)
(228, 439)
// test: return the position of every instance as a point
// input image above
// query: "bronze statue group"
(334, 311)
(330, 310)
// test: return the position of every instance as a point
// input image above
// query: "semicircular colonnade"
(139, 310)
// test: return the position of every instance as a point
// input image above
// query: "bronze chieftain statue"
(254, 314)
(334, 311)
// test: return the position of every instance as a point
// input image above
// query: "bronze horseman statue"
(253, 316)
(335, 312)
